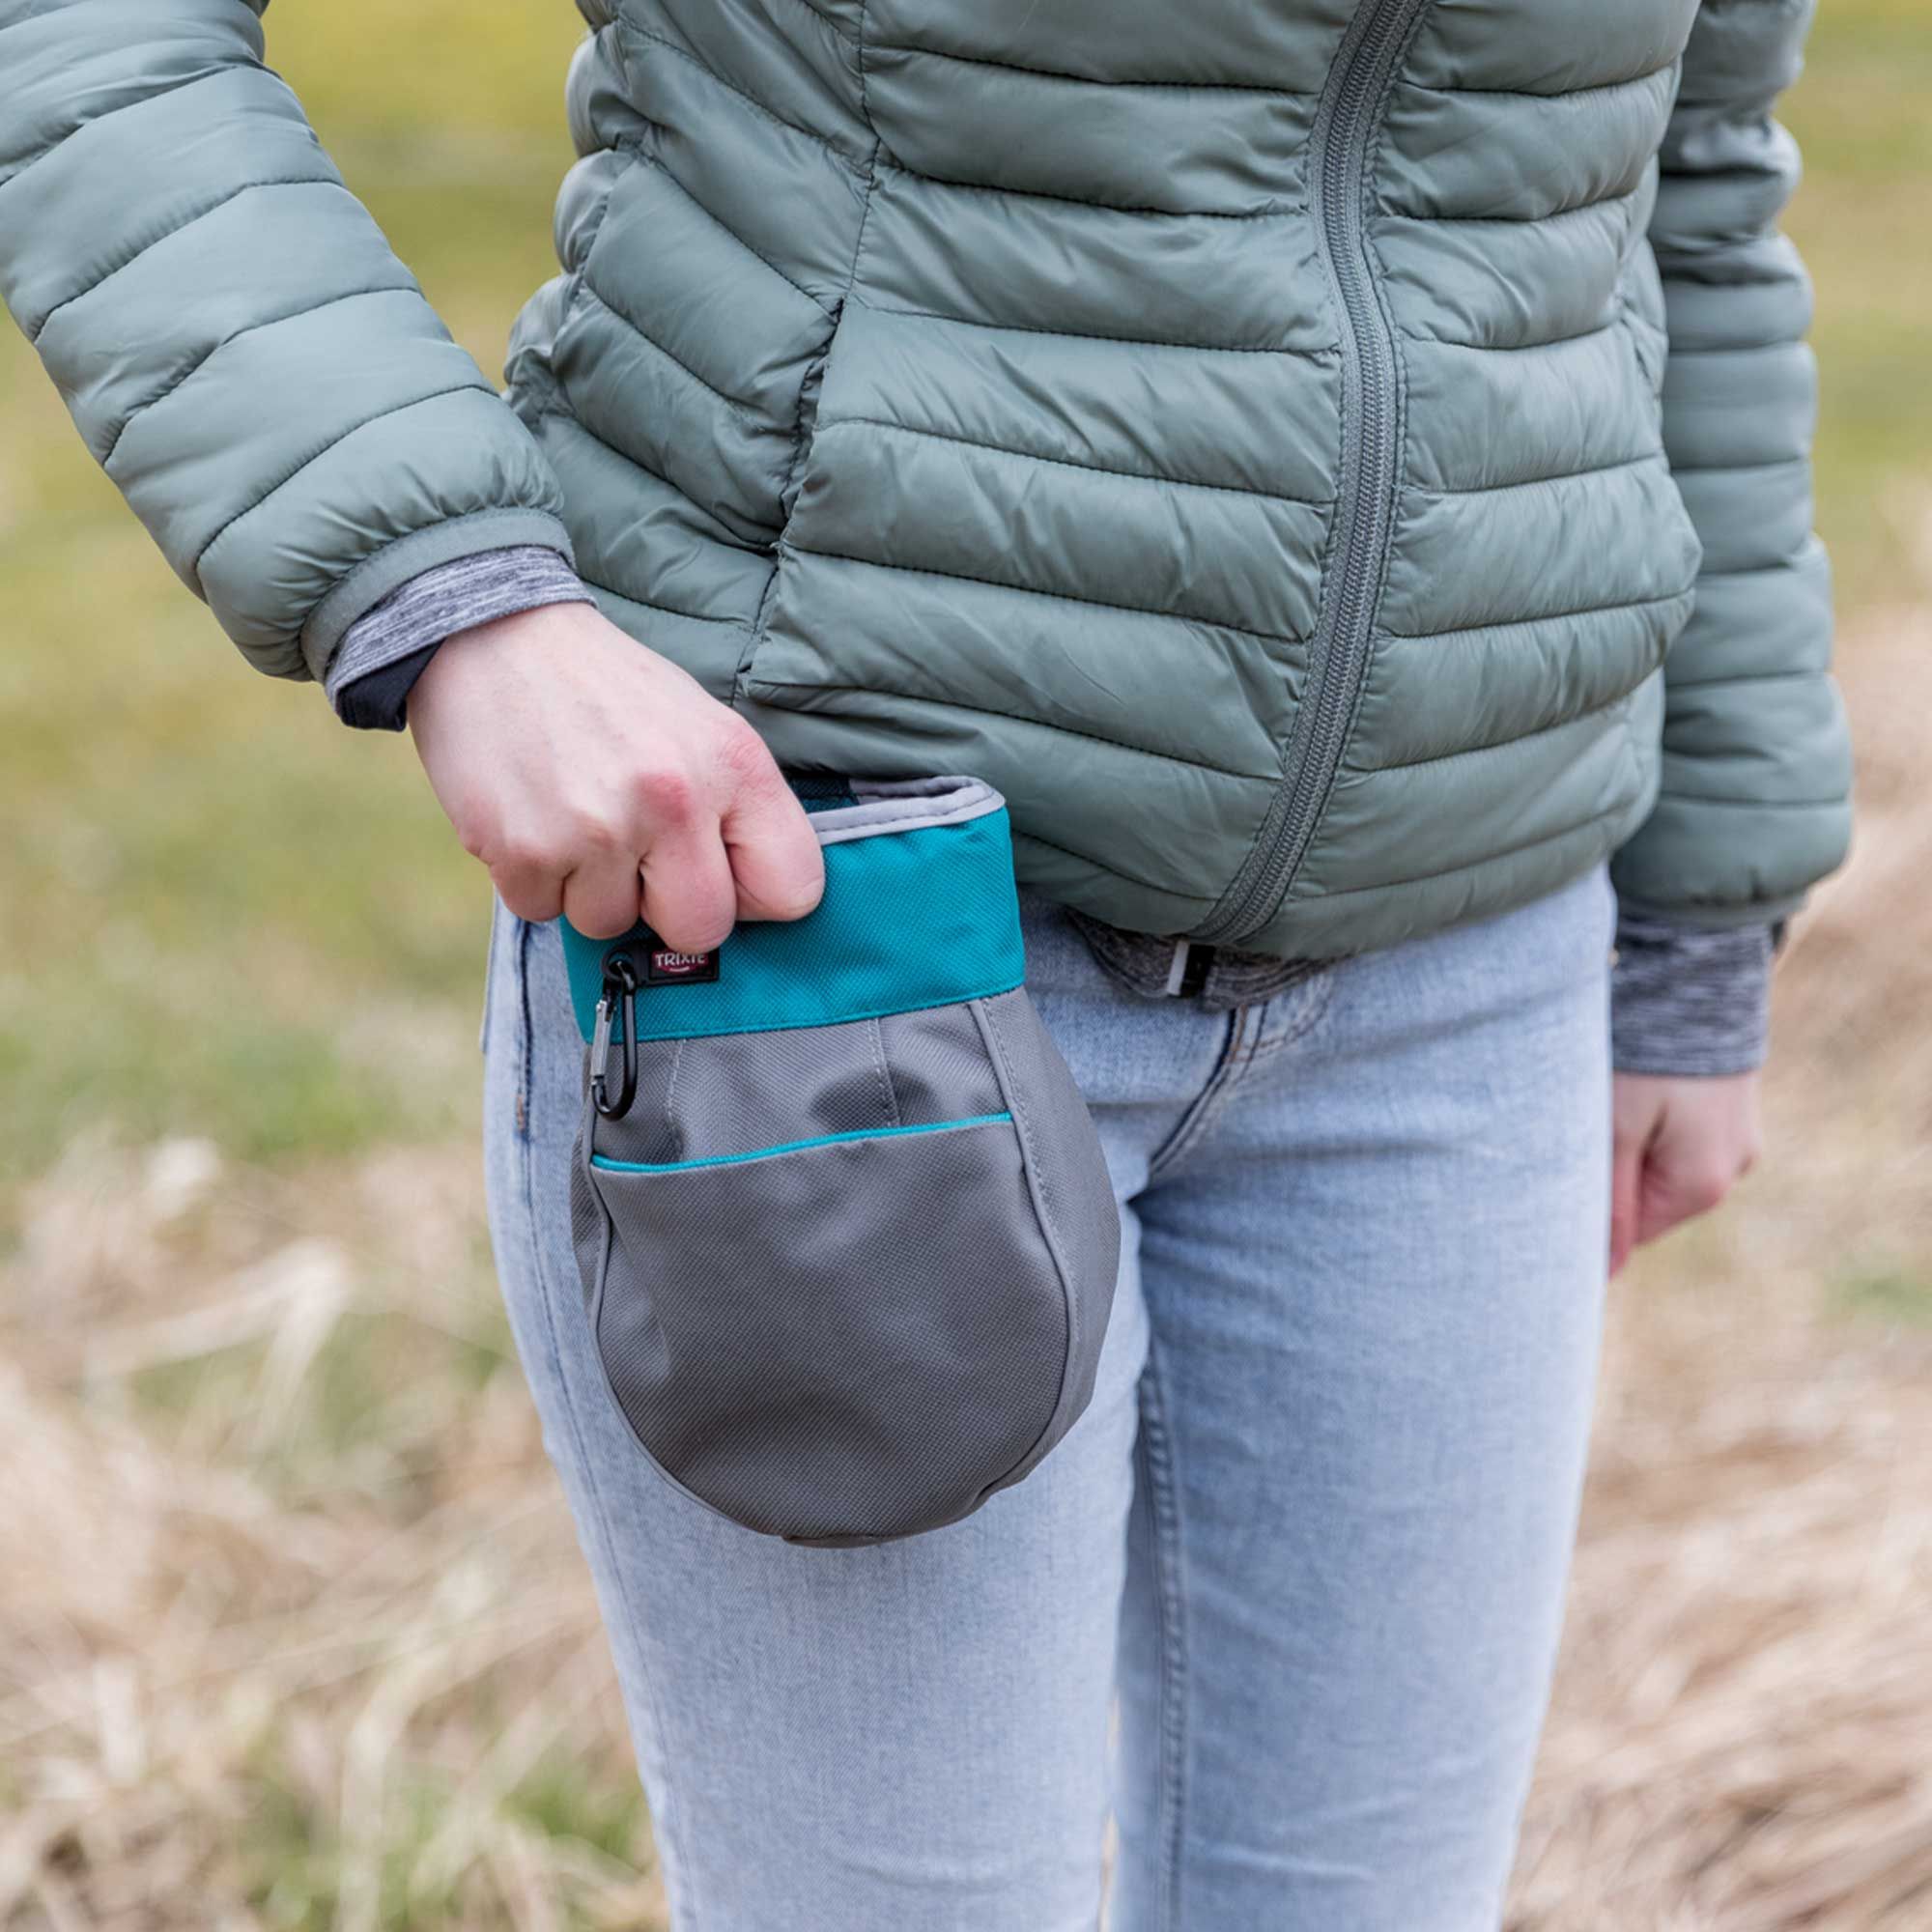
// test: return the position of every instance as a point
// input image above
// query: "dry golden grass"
(294, 1635)
(295, 1630)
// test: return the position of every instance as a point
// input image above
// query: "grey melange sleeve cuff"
(386, 649)
(1687, 1000)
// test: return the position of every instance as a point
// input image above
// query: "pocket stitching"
(989, 1030)
(887, 1092)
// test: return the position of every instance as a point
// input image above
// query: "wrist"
(392, 646)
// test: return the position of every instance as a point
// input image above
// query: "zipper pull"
(619, 998)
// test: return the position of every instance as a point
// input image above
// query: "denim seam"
(1321, 994)
(1236, 1055)
(547, 1300)
(489, 976)
(1185, 1130)
(1170, 1615)
(525, 1056)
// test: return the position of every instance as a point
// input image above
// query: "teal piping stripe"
(793, 1147)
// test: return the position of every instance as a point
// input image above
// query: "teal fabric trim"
(928, 916)
(795, 1147)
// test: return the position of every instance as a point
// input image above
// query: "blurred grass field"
(292, 1629)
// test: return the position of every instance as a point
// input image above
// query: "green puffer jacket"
(1275, 441)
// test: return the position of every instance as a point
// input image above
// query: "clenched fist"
(1680, 1145)
(597, 780)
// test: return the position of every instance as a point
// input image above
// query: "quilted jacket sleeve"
(243, 354)
(1754, 805)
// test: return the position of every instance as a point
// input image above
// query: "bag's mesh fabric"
(848, 1343)
(939, 1066)
(741, 1093)
(646, 1130)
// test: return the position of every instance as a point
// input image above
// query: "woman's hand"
(597, 780)
(1679, 1144)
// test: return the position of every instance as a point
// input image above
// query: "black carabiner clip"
(620, 999)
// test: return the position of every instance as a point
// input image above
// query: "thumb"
(1626, 1184)
(777, 862)
(1636, 1111)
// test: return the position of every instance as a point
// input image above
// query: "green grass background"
(221, 913)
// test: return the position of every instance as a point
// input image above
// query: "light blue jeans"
(1309, 1543)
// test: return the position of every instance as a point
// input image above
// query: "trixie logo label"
(667, 968)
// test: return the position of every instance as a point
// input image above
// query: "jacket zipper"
(1345, 120)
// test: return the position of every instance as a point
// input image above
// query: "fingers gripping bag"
(845, 1230)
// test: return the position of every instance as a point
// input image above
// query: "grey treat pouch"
(845, 1230)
